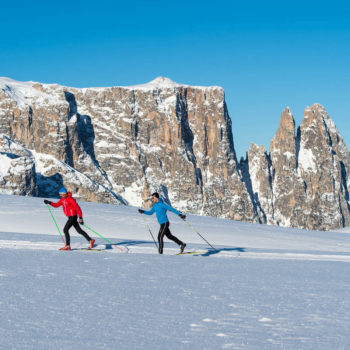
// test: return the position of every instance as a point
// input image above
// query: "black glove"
(141, 211)
(183, 216)
(81, 221)
(47, 202)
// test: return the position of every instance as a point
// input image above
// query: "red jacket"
(70, 206)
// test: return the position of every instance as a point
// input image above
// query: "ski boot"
(91, 244)
(66, 247)
(182, 247)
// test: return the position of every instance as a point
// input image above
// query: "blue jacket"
(161, 208)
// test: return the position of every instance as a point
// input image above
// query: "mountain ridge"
(119, 144)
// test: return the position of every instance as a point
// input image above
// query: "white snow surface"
(264, 288)
(307, 160)
(158, 83)
(5, 164)
(23, 92)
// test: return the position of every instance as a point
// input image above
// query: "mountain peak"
(157, 83)
(163, 81)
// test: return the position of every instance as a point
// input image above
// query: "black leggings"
(73, 221)
(164, 231)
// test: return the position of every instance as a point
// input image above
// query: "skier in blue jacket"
(160, 208)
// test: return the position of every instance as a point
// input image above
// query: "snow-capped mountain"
(119, 144)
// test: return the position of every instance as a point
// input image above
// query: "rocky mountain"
(303, 181)
(119, 144)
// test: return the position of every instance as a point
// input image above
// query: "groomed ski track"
(226, 252)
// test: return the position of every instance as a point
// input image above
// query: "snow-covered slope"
(265, 287)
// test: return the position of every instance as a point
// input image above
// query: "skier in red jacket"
(72, 210)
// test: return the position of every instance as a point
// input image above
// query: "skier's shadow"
(133, 242)
(110, 246)
(208, 253)
(213, 252)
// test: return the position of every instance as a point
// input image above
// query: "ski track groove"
(28, 245)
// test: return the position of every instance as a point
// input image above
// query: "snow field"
(266, 288)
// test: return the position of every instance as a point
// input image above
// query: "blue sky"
(266, 54)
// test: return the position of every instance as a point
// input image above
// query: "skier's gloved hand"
(47, 202)
(81, 221)
(183, 216)
(141, 211)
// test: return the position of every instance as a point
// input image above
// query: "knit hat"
(63, 190)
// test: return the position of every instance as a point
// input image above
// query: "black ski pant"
(73, 221)
(164, 231)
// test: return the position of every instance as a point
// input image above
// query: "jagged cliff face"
(308, 174)
(323, 165)
(287, 188)
(120, 144)
(257, 174)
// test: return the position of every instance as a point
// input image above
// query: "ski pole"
(55, 223)
(149, 229)
(200, 235)
(107, 240)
